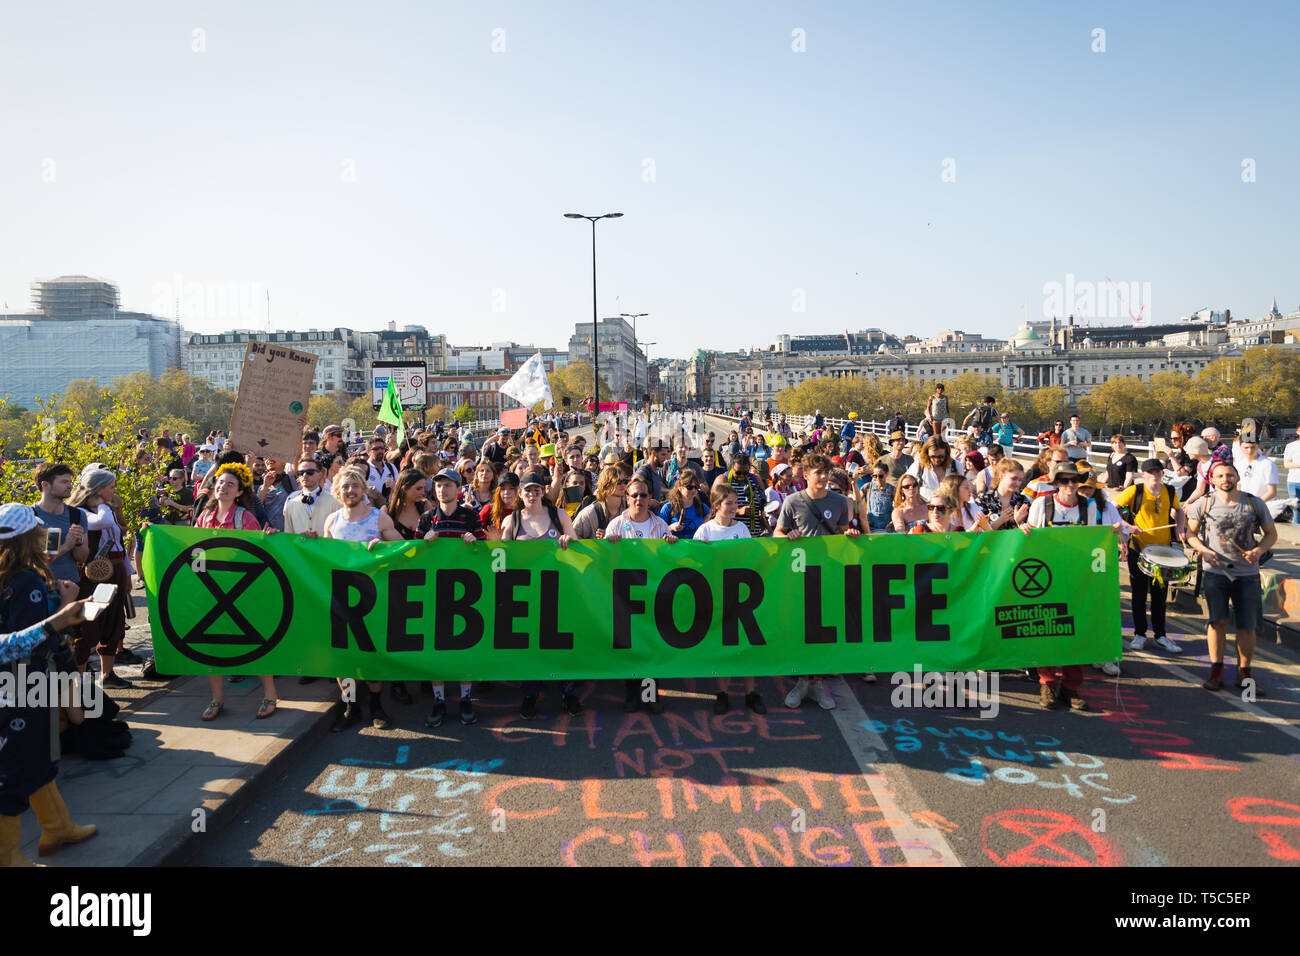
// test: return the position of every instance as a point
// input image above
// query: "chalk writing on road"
(1029, 837)
(1273, 818)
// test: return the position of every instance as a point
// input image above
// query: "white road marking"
(922, 845)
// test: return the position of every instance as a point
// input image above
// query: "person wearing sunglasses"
(909, 510)
(940, 511)
(307, 509)
(639, 522)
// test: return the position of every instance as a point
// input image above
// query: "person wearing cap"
(495, 448)
(777, 492)
(31, 599)
(505, 501)
(1154, 507)
(848, 433)
(450, 519)
(97, 495)
(1059, 684)
(895, 459)
(203, 464)
(539, 520)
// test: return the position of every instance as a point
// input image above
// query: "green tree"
(1117, 403)
(464, 413)
(1047, 406)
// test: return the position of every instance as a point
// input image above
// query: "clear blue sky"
(773, 170)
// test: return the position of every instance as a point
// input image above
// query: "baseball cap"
(538, 478)
(450, 474)
(780, 470)
(17, 519)
(1152, 464)
(380, 431)
(503, 430)
(508, 478)
(1196, 446)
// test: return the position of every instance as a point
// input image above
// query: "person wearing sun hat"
(96, 493)
(32, 601)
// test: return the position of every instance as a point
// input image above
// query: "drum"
(1163, 564)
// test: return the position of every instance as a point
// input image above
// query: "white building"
(78, 330)
(622, 363)
(219, 358)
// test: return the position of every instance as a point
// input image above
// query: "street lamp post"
(647, 368)
(595, 321)
(629, 315)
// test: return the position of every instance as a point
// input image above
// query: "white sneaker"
(822, 695)
(1109, 668)
(1138, 643)
(1168, 645)
(797, 694)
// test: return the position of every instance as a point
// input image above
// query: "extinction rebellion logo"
(1031, 579)
(225, 612)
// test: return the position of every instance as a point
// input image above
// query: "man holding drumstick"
(1155, 514)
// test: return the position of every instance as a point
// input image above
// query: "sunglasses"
(1068, 481)
(309, 471)
(908, 487)
(938, 508)
(639, 494)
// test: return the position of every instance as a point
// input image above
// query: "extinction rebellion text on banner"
(239, 602)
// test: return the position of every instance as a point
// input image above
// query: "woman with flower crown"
(231, 507)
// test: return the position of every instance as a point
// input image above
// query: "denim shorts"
(1245, 593)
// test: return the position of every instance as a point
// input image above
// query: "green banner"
(246, 603)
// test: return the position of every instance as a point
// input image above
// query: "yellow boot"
(57, 827)
(11, 839)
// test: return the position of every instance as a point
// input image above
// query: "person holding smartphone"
(31, 599)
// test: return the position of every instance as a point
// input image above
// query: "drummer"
(1157, 516)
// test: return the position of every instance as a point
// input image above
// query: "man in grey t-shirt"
(1222, 530)
(1076, 439)
(810, 513)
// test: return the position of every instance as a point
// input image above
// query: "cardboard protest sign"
(271, 407)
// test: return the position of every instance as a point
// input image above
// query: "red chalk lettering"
(636, 724)
(591, 804)
(637, 763)
(686, 760)
(492, 799)
(1181, 761)
(570, 849)
(837, 853)
(762, 793)
(755, 841)
(806, 779)
(665, 787)
(711, 845)
(765, 730)
(866, 833)
(726, 792)
(699, 730)
(1278, 846)
(647, 857)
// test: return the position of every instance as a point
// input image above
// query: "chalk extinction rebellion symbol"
(1031, 578)
(197, 618)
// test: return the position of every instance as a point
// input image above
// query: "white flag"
(529, 385)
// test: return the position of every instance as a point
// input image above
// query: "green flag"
(391, 409)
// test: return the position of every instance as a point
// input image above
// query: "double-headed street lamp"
(595, 321)
(629, 315)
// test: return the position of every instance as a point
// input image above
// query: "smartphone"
(572, 495)
(104, 593)
(53, 537)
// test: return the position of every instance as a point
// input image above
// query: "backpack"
(1049, 502)
(1133, 509)
(983, 417)
(512, 532)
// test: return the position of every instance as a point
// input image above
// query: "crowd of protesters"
(635, 482)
